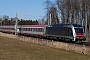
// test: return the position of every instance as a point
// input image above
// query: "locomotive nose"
(79, 35)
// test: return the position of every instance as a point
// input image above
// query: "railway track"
(84, 43)
(78, 43)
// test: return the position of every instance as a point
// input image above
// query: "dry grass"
(18, 50)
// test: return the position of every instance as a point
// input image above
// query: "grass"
(11, 49)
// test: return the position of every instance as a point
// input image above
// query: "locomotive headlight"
(84, 35)
(77, 37)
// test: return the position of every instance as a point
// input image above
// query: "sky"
(25, 9)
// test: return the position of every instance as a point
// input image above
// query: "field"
(11, 49)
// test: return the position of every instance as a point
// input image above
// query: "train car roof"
(6, 26)
(33, 26)
(24, 26)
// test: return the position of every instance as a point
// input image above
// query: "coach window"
(40, 29)
(37, 29)
(28, 29)
(31, 29)
(34, 29)
(24, 29)
(11, 28)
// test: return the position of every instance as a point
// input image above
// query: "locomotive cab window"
(79, 30)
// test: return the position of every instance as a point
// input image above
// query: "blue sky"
(26, 9)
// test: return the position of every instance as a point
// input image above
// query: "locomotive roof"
(77, 25)
(58, 25)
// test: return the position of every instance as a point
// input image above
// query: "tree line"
(12, 21)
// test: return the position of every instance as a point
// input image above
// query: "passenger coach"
(35, 30)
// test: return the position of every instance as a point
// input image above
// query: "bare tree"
(60, 5)
(54, 14)
(47, 4)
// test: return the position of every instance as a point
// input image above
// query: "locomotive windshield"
(79, 30)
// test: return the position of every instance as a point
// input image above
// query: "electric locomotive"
(67, 32)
